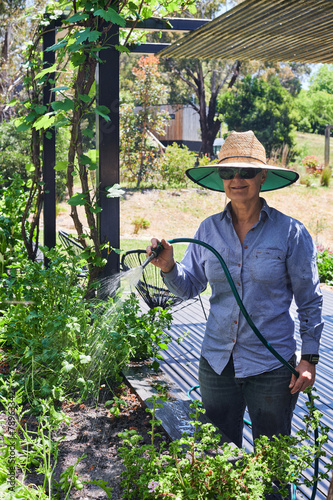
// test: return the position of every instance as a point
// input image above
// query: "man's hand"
(307, 374)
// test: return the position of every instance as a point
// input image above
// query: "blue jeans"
(266, 396)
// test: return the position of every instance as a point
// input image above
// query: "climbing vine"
(84, 29)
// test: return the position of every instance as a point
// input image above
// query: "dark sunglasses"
(244, 173)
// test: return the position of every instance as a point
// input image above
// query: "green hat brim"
(208, 177)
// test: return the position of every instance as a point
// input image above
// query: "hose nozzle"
(155, 253)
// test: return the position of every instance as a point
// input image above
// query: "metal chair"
(73, 244)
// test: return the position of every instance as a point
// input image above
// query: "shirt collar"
(264, 213)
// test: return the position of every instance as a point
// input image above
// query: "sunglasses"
(244, 173)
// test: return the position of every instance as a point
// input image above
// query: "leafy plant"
(12, 202)
(140, 223)
(325, 266)
(311, 163)
(26, 450)
(326, 176)
(195, 467)
(64, 343)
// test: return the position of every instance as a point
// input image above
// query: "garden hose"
(258, 334)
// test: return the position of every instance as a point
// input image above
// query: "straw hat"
(242, 150)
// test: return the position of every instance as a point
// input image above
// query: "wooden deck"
(181, 362)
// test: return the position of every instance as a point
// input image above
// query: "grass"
(312, 144)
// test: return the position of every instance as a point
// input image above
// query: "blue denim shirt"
(276, 262)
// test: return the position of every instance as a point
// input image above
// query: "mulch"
(93, 431)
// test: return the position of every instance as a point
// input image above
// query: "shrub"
(195, 467)
(311, 163)
(140, 223)
(65, 344)
(325, 266)
(326, 177)
(173, 164)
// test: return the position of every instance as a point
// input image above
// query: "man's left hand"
(307, 374)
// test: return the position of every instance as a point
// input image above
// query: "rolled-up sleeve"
(304, 281)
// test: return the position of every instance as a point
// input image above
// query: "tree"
(205, 80)
(315, 105)
(138, 149)
(79, 47)
(322, 80)
(315, 110)
(264, 107)
(16, 25)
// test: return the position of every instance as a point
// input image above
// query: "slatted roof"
(265, 30)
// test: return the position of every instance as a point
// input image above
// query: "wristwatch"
(311, 358)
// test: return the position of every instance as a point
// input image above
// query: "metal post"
(107, 145)
(327, 144)
(49, 156)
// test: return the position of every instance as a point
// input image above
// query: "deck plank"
(181, 362)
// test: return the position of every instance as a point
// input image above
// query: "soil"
(93, 432)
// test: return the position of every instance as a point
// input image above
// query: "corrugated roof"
(265, 30)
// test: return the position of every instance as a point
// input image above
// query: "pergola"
(274, 30)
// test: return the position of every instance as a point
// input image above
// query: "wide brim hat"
(242, 150)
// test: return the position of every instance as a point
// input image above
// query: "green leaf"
(85, 98)
(112, 16)
(23, 127)
(61, 165)
(85, 159)
(87, 132)
(77, 17)
(65, 105)
(40, 110)
(77, 199)
(122, 48)
(44, 122)
(60, 89)
(94, 35)
(192, 9)
(50, 69)
(13, 102)
(102, 110)
(163, 346)
(77, 59)
(95, 210)
(56, 46)
(29, 167)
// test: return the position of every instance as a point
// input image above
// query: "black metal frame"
(107, 134)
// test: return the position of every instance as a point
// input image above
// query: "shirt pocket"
(268, 265)
(213, 267)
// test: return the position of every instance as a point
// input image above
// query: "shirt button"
(245, 246)
(238, 284)
(235, 321)
(239, 265)
(233, 340)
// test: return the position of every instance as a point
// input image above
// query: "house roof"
(266, 30)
